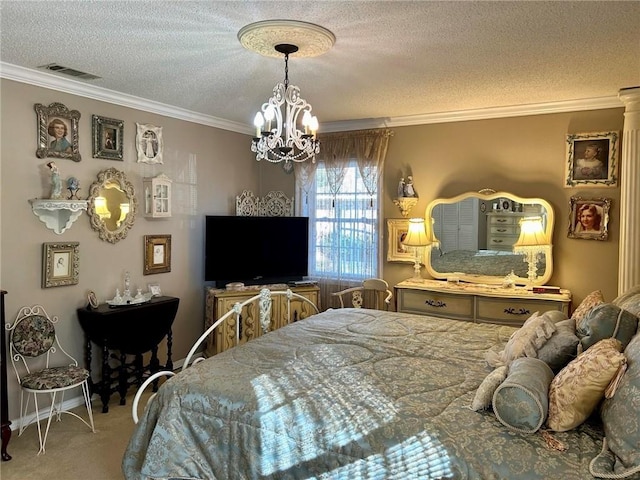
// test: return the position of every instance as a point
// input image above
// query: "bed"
(349, 394)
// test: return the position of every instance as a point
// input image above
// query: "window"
(344, 228)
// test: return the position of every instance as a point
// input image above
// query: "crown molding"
(47, 80)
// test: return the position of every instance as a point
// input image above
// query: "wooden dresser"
(503, 229)
(477, 303)
(220, 301)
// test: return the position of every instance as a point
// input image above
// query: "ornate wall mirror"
(477, 231)
(112, 205)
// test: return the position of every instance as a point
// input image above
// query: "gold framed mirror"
(112, 205)
(476, 233)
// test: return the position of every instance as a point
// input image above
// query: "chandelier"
(292, 138)
(285, 127)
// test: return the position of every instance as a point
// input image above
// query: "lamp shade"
(532, 235)
(417, 234)
(101, 207)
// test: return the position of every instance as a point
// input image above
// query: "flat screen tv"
(255, 250)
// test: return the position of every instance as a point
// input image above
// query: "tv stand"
(219, 301)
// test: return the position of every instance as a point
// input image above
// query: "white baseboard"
(76, 401)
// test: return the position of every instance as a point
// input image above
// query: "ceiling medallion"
(262, 37)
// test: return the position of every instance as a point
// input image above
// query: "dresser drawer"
(512, 311)
(436, 304)
(504, 229)
(501, 243)
(503, 220)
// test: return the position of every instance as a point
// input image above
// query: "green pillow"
(521, 401)
(562, 347)
(606, 321)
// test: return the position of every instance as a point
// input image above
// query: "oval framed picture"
(506, 205)
(93, 300)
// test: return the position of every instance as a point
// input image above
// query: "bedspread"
(346, 394)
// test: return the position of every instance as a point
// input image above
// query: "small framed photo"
(157, 254)
(149, 143)
(57, 132)
(589, 218)
(60, 264)
(397, 229)
(154, 290)
(92, 299)
(592, 160)
(108, 138)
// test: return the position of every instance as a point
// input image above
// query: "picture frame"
(108, 138)
(57, 132)
(149, 143)
(157, 254)
(592, 159)
(60, 264)
(154, 290)
(92, 299)
(589, 218)
(397, 229)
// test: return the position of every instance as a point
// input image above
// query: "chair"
(373, 293)
(34, 346)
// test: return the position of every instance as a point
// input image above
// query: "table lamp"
(532, 242)
(417, 237)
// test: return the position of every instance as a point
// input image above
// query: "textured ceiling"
(390, 59)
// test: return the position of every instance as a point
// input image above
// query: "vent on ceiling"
(54, 67)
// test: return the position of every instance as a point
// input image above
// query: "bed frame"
(263, 299)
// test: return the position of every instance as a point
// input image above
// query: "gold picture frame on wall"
(397, 229)
(57, 132)
(157, 254)
(60, 264)
(589, 218)
(108, 138)
(592, 160)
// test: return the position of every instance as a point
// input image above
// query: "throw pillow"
(526, 341)
(562, 347)
(484, 394)
(620, 457)
(629, 300)
(521, 401)
(606, 321)
(590, 301)
(578, 388)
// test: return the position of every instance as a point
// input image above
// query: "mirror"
(112, 205)
(477, 231)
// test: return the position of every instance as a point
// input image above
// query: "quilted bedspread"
(346, 394)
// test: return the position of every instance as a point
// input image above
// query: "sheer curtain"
(341, 194)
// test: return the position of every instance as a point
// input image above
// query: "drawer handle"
(501, 220)
(516, 311)
(434, 303)
(501, 229)
(497, 240)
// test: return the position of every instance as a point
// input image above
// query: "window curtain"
(368, 148)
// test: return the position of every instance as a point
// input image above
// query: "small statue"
(401, 188)
(127, 284)
(408, 188)
(73, 185)
(56, 184)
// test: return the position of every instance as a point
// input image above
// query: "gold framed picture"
(397, 229)
(108, 138)
(592, 160)
(60, 264)
(57, 132)
(157, 254)
(589, 218)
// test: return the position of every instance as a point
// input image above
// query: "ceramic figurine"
(56, 184)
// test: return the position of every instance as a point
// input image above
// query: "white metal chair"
(34, 349)
(373, 293)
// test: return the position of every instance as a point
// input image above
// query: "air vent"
(54, 67)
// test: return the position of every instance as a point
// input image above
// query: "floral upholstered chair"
(43, 367)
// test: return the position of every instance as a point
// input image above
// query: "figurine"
(73, 185)
(56, 184)
(408, 188)
(401, 188)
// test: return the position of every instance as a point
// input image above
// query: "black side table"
(130, 331)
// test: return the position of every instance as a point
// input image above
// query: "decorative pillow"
(556, 315)
(576, 391)
(621, 422)
(606, 321)
(629, 300)
(562, 347)
(521, 401)
(484, 394)
(590, 301)
(524, 342)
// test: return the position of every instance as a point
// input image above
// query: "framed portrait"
(60, 264)
(589, 218)
(592, 160)
(92, 299)
(57, 132)
(149, 143)
(108, 137)
(157, 254)
(154, 290)
(397, 229)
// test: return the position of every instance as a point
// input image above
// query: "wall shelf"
(58, 215)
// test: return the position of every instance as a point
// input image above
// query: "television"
(255, 250)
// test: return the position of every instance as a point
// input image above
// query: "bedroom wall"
(523, 155)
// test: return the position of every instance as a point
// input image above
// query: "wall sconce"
(101, 208)
(124, 211)
(532, 242)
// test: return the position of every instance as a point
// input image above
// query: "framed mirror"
(476, 233)
(112, 205)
